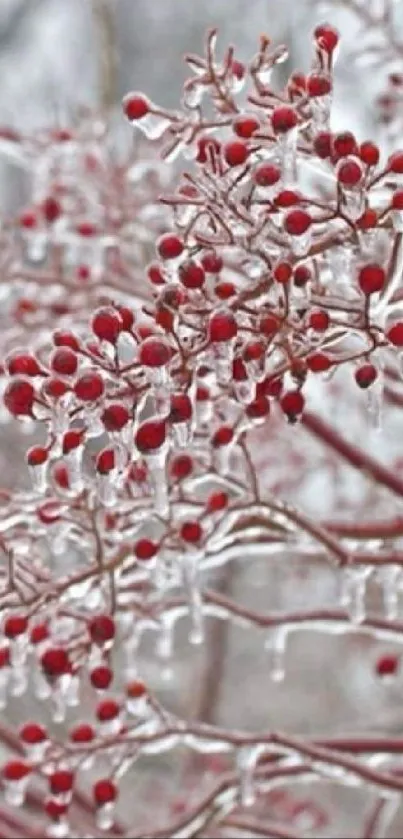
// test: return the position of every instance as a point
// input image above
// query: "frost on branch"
(281, 268)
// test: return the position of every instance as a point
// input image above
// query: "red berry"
(395, 163)
(155, 275)
(61, 781)
(260, 407)
(32, 733)
(64, 361)
(371, 278)
(66, 339)
(223, 436)
(37, 455)
(51, 209)
(19, 397)
(71, 440)
(365, 375)
(204, 145)
(170, 246)
(239, 372)
(395, 334)
(61, 476)
(297, 222)
(368, 219)
(283, 119)
(387, 665)
(192, 275)
(245, 125)
(145, 549)
(323, 144)
(326, 37)
(22, 364)
(101, 677)
(349, 172)
(82, 733)
(266, 174)
(222, 327)
(115, 417)
(89, 387)
(319, 320)
(55, 662)
(136, 689)
(55, 809)
(287, 198)
(28, 219)
(269, 325)
(344, 145)
(217, 501)
(126, 318)
(181, 408)
(318, 362)
(212, 263)
(105, 461)
(106, 324)
(102, 629)
(49, 512)
(235, 153)
(282, 272)
(15, 625)
(15, 770)
(318, 84)
(135, 106)
(253, 351)
(397, 200)
(150, 435)
(155, 352)
(224, 290)
(4, 657)
(191, 531)
(105, 791)
(292, 404)
(39, 633)
(107, 710)
(181, 466)
(369, 153)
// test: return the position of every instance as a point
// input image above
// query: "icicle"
(59, 704)
(165, 647)
(107, 489)
(375, 402)
(287, 147)
(4, 680)
(182, 434)
(247, 758)
(276, 647)
(191, 583)
(15, 790)
(105, 815)
(389, 576)
(59, 829)
(39, 476)
(73, 460)
(223, 357)
(156, 464)
(354, 592)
